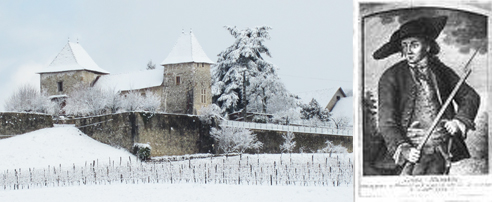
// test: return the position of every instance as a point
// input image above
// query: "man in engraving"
(411, 93)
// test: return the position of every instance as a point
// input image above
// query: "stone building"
(183, 82)
(71, 67)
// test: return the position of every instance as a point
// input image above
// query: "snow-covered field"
(54, 146)
(182, 192)
(267, 177)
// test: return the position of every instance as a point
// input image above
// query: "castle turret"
(71, 67)
(187, 78)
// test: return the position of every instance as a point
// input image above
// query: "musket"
(409, 165)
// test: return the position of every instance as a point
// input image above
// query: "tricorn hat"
(426, 27)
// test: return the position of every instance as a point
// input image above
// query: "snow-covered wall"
(14, 123)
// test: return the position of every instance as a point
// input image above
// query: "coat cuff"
(398, 156)
(467, 122)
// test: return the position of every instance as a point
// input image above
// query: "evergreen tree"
(241, 78)
(314, 110)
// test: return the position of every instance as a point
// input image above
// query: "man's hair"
(434, 46)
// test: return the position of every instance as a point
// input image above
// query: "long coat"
(397, 90)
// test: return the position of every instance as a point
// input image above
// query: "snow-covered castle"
(184, 84)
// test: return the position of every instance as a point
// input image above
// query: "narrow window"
(203, 96)
(178, 80)
(203, 64)
(60, 86)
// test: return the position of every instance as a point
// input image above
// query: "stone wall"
(13, 123)
(167, 134)
(305, 142)
(174, 134)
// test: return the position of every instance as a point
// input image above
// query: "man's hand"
(451, 126)
(411, 153)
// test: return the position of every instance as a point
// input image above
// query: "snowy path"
(181, 192)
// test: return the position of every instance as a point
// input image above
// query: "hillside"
(54, 146)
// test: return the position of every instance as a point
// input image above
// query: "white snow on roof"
(322, 96)
(344, 108)
(73, 57)
(132, 81)
(186, 49)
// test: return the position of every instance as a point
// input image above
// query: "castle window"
(60, 86)
(203, 96)
(178, 80)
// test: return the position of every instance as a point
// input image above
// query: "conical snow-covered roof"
(73, 57)
(187, 49)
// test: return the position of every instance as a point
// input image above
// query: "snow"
(55, 146)
(187, 49)
(323, 96)
(344, 108)
(181, 192)
(73, 57)
(132, 81)
(66, 145)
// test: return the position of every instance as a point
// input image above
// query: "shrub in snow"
(261, 119)
(289, 142)
(209, 113)
(142, 151)
(28, 99)
(331, 148)
(232, 139)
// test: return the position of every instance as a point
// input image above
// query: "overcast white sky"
(311, 41)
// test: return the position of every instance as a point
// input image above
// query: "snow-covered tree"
(332, 148)
(284, 109)
(132, 101)
(86, 101)
(232, 139)
(151, 102)
(27, 98)
(314, 110)
(241, 66)
(340, 122)
(209, 113)
(289, 142)
(113, 100)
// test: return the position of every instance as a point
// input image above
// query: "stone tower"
(187, 78)
(71, 67)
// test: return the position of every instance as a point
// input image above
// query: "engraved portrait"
(423, 72)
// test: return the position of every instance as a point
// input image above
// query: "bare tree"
(150, 65)
(340, 122)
